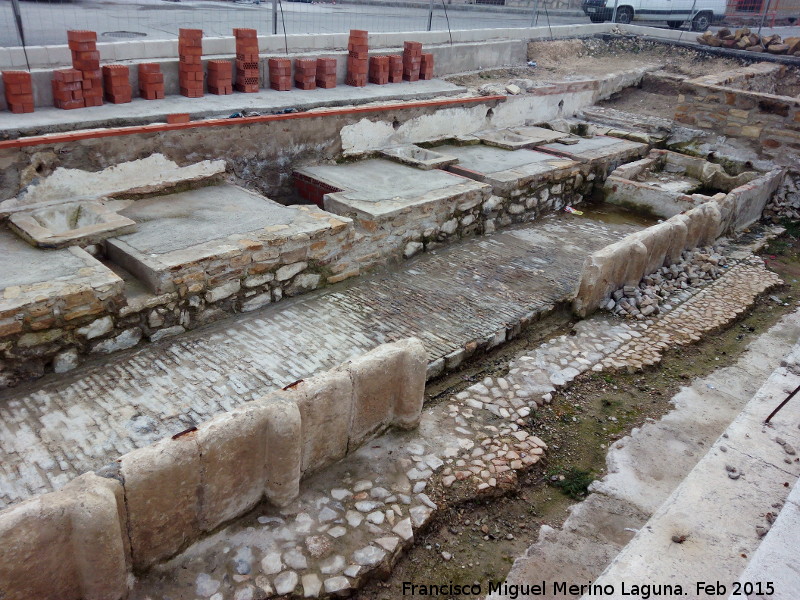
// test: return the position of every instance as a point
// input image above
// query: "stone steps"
(646, 469)
(712, 523)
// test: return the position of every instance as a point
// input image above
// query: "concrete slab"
(155, 174)
(265, 101)
(179, 229)
(508, 170)
(603, 154)
(515, 138)
(745, 473)
(25, 265)
(377, 189)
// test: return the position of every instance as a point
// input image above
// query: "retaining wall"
(768, 122)
(628, 260)
(83, 541)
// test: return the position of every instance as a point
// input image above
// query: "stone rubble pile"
(744, 39)
(785, 203)
(696, 268)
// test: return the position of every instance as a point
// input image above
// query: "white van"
(699, 13)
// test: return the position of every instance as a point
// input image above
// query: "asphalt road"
(46, 21)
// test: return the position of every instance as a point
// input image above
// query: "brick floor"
(62, 426)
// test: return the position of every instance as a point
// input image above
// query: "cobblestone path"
(62, 426)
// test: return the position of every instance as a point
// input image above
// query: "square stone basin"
(517, 138)
(70, 224)
(421, 158)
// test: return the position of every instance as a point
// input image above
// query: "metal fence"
(46, 21)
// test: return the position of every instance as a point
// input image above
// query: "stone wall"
(769, 123)
(53, 326)
(83, 541)
(626, 262)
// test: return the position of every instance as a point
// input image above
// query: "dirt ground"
(562, 60)
(640, 102)
(477, 540)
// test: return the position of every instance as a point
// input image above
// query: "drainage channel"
(474, 541)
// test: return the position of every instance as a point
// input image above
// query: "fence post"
(535, 15)
(614, 14)
(430, 15)
(274, 17)
(763, 17)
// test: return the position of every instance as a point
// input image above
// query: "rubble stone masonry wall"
(730, 104)
(83, 541)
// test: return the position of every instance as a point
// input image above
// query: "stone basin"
(70, 224)
(421, 158)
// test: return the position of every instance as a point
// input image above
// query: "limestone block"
(233, 450)
(727, 210)
(65, 545)
(679, 231)
(162, 483)
(633, 254)
(325, 403)
(703, 223)
(284, 448)
(414, 366)
(380, 390)
(657, 241)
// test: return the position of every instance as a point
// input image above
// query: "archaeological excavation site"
(486, 313)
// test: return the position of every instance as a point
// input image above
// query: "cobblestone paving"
(359, 515)
(470, 292)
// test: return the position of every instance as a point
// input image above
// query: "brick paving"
(62, 426)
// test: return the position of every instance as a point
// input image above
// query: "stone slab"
(182, 228)
(378, 188)
(596, 148)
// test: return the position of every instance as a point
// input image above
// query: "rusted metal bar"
(782, 404)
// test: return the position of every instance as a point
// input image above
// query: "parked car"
(700, 13)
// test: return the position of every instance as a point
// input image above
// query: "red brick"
(220, 90)
(149, 68)
(151, 78)
(194, 35)
(79, 35)
(178, 118)
(17, 77)
(151, 94)
(243, 33)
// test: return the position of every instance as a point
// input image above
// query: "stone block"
(233, 451)
(325, 403)
(67, 545)
(284, 448)
(414, 366)
(388, 388)
(677, 244)
(162, 483)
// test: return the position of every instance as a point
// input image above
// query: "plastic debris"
(571, 210)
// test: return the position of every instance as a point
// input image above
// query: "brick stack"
(190, 70)
(246, 60)
(379, 70)
(358, 58)
(412, 60)
(68, 89)
(305, 73)
(280, 74)
(426, 67)
(19, 91)
(117, 85)
(395, 68)
(151, 81)
(326, 72)
(86, 59)
(220, 77)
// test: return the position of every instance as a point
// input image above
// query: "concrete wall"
(81, 542)
(628, 260)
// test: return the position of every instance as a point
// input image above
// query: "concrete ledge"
(82, 542)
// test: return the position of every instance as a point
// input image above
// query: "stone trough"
(667, 183)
